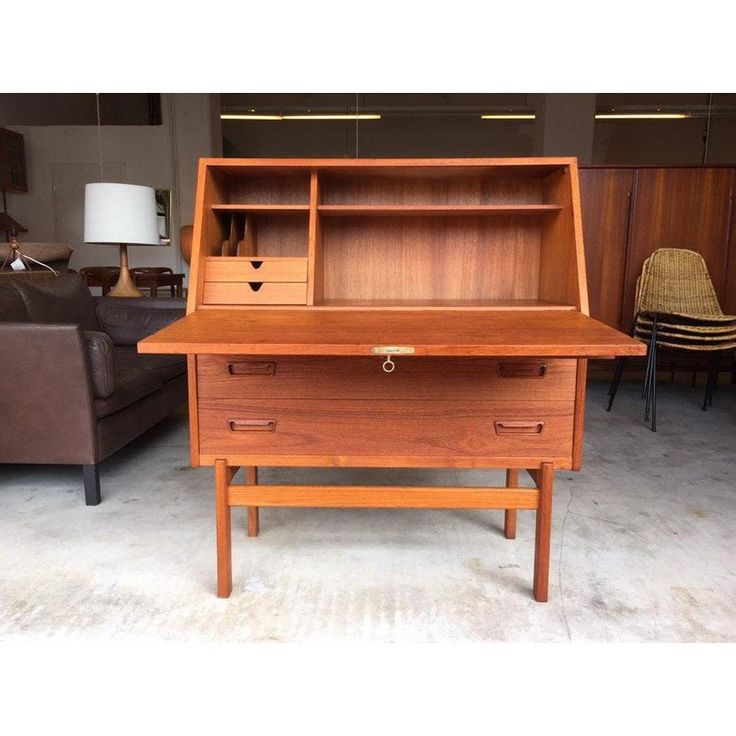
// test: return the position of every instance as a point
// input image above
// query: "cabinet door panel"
(679, 208)
(729, 300)
(606, 198)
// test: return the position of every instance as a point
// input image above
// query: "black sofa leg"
(91, 475)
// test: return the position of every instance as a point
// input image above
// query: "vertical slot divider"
(315, 274)
(247, 246)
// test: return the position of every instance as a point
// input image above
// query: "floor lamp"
(123, 215)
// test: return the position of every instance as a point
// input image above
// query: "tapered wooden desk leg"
(251, 479)
(509, 520)
(222, 518)
(543, 533)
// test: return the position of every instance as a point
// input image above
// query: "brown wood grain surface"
(561, 259)
(230, 427)
(543, 532)
(729, 298)
(459, 210)
(254, 292)
(431, 258)
(431, 332)
(233, 376)
(265, 268)
(679, 208)
(415, 497)
(605, 195)
(272, 190)
(580, 388)
(448, 188)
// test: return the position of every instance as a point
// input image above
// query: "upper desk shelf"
(377, 232)
(386, 210)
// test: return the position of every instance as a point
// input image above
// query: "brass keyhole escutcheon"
(388, 365)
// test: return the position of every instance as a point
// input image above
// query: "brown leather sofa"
(73, 389)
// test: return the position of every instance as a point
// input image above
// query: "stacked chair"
(677, 308)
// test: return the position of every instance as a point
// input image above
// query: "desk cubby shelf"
(396, 232)
(272, 209)
(370, 210)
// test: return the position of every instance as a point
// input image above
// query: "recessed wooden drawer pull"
(252, 425)
(251, 369)
(522, 370)
(518, 427)
(255, 285)
(256, 264)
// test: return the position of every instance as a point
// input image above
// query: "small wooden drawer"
(384, 432)
(254, 292)
(256, 269)
(419, 378)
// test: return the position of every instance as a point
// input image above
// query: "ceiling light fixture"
(353, 116)
(244, 116)
(643, 116)
(509, 116)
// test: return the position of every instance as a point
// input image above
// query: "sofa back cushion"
(62, 300)
(12, 308)
(127, 324)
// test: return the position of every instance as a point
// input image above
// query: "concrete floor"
(642, 548)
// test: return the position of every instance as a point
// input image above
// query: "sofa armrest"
(127, 323)
(101, 356)
(46, 400)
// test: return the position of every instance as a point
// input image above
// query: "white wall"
(61, 159)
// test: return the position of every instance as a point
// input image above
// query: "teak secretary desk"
(388, 313)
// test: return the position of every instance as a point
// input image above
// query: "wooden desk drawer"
(223, 376)
(256, 269)
(254, 292)
(387, 429)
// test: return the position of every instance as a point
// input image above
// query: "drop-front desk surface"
(500, 387)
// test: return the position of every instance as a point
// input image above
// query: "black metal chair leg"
(619, 372)
(650, 381)
(708, 380)
(712, 382)
(616, 381)
(91, 476)
(654, 381)
(646, 390)
(648, 372)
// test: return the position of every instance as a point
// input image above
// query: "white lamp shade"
(120, 214)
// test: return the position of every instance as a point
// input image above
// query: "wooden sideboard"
(388, 313)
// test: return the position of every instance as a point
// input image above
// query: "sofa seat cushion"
(133, 382)
(59, 301)
(166, 366)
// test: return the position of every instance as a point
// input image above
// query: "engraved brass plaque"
(393, 350)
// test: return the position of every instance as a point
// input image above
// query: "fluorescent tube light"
(251, 116)
(509, 116)
(246, 116)
(351, 116)
(643, 116)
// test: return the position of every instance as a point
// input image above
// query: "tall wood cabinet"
(628, 213)
(388, 313)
